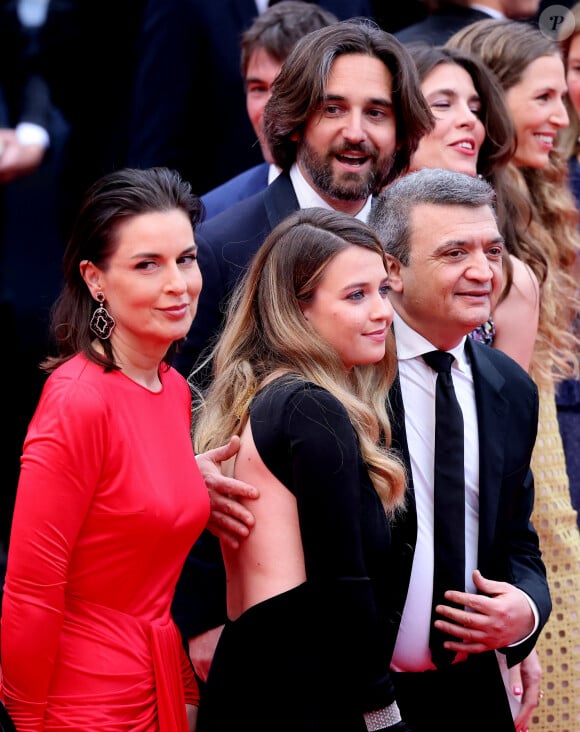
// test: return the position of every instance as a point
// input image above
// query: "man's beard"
(346, 186)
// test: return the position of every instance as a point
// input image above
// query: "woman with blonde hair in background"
(568, 395)
(529, 67)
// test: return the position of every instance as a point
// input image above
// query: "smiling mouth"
(176, 309)
(465, 145)
(350, 160)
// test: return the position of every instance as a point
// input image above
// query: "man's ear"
(394, 272)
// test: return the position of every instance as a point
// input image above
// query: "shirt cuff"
(536, 620)
(29, 133)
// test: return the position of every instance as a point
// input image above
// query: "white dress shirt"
(418, 391)
(273, 172)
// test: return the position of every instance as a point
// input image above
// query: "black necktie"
(449, 498)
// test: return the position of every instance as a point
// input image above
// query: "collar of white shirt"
(411, 344)
(488, 11)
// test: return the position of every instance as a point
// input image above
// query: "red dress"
(109, 502)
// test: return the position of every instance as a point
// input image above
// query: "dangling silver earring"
(102, 323)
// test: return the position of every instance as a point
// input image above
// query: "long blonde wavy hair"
(266, 334)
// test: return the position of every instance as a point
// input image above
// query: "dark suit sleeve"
(24, 89)
(236, 189)
(526, 568)
(199, 603)
(509, 551)
(189, 109)
(168, 51)
(226, 245)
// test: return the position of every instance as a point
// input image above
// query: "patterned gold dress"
(555, 521)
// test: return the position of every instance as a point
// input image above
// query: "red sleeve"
(60, 466)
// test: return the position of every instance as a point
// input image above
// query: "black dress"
(314, 658)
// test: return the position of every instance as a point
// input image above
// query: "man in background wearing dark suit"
(345, 116)
(448, 16)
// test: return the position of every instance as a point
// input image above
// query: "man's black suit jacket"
(437, 28)
(226, 244)
(24, 89)
(508, 551)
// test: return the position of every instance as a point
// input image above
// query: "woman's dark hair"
(499, 145)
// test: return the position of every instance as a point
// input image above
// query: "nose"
(559, 115)
(467, 117)
(383, 310)
(479, 268)
(176, 281)
(354, 129)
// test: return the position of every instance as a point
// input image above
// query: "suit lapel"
(397, 415)
(404, 525)
(280, 200)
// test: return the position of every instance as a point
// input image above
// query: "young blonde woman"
(300, 373)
